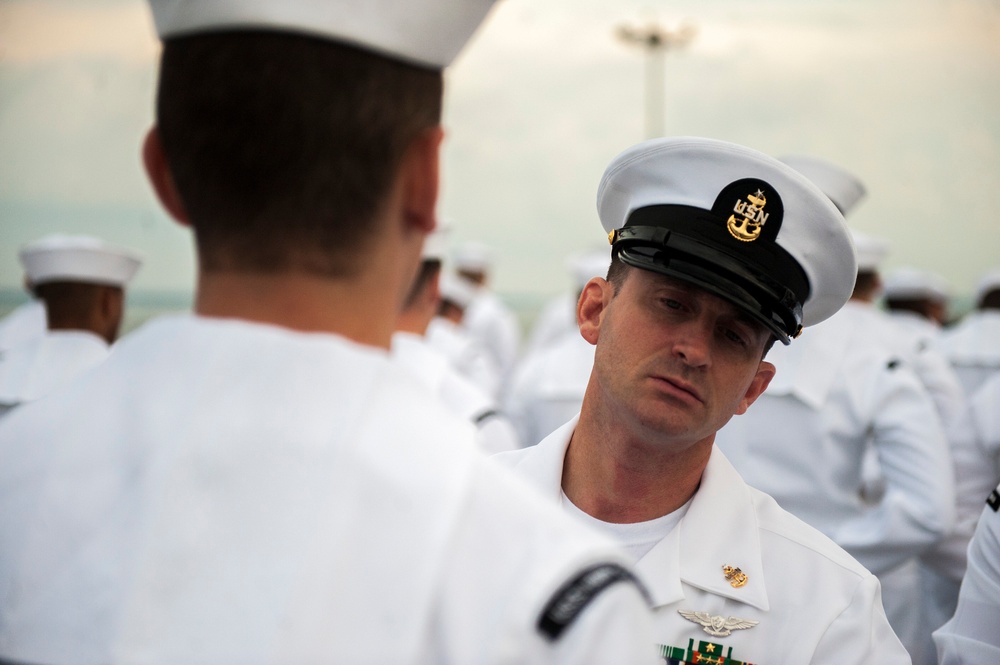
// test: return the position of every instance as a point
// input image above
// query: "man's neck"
(615, 476)
(360, 309)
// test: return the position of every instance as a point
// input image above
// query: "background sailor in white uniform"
(494, 430)
(548, 385)
(971, 636)
(81, 281)
(487, 318)
(971, 345)
(719, 251)
(557, 316)
(863, 456)
(259, 482)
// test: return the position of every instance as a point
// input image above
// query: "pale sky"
(903, 92)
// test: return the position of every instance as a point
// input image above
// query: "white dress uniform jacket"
(26, 322)
(547, 387)
(495, 432)
(810, 601)
(225, 492)
(971, 637)
(489, 321)
(42, 365)
(972, 348)
(465, 354)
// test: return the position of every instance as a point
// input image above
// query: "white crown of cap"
(473, 255)
(587, 265)
(436, 244)
(426, 32)
(457, 290)
(871, 250)
(76, 258)
(988, 282)
(843, 187)
(692, 171)
(913, 283)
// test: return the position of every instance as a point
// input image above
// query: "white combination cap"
(70, 258)
(473, 256)
(914, 284)
(734, 222)
(429, 33)
(871, 250)
(587, 265)
(843, 187)
(456, 290)
(988, 282)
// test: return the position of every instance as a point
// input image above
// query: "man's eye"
(671, 303)
(734, 337)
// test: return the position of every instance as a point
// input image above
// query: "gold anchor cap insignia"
(736, 577)
(718, 626)
(748, 217)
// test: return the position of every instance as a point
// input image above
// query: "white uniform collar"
(719, 529)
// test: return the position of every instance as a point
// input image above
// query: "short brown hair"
(283, 147)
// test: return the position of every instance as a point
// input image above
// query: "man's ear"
(160, 176)
(594, 298)
(765, 372)
(420, 171)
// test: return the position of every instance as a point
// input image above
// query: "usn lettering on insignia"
(751, 217)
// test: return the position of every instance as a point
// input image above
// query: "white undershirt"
(636, 538)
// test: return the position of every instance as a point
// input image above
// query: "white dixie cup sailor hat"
(428, 33)
(908, 283)
(586, 265)
(78, 258)
(843, 187)
(473, 256)
(733, 221)
(871, 250)
(988, 282)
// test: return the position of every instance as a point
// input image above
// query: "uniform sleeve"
(972, 636)
(861, 633)
(918, 506)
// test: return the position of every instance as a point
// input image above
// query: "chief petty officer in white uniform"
(718, 251)
(259, 483)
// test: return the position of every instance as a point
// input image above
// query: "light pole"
(656, 41)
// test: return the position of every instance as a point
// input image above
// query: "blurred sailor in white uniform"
(494, 430)
(719, 251)
(971, 345)
(848, 439)
(558, 315)
(548, 385)
(918, 301)
(81, 281)
(24, 322)
(258, 482)
(487, 318)
(971, 636)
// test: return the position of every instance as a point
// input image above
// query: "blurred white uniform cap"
(988, 282)
(587, 265)
(456, 290)
(436, 244)
(429, 33)
(734, 222)
(843, 187)
(73, 258)
(473, 256)
(913, 284)
(871, 250)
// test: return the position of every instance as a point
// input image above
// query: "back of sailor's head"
(284, 123)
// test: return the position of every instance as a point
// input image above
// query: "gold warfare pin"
(736, 577)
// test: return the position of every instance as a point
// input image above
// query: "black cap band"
(695, 245)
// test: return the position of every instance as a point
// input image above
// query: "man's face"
(673, 362)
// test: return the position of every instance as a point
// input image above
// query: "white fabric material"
(547, 387)
(45, 364)
(840, 395)
(843, 187)
(78, 259)
(972, 348)
(971, 637)
(460, 396)
(225, 492)
(871, 250)
(427, 32)
(489, 321)
(913, 284)
(693, 171)
(813, 602)
(638, 538)
(26, 322)
(465, 354)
